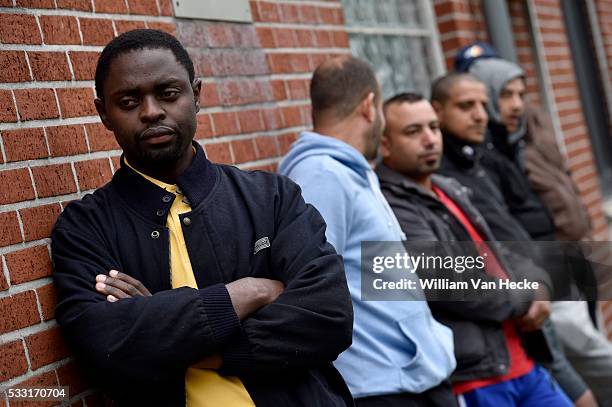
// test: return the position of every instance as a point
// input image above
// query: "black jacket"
(138, 349)
(480, 345)
(505, 163)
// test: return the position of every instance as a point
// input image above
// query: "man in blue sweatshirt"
(400, 354)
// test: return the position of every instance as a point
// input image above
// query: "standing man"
(400, 355)
(460, 101)
(493, 365)
(215, 286)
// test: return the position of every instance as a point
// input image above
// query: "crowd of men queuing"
(184, 282)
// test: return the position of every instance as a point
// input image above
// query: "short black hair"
(339, 84)
(440, 88)
(404, 97)
(137, 40)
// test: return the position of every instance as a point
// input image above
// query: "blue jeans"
(535, 389)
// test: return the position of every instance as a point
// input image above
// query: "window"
(399, 38)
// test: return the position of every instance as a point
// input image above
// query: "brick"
(278, 89)
(8, 113)
(219, 153)
(250, 121)
(3, 283)
(60, 30)
(309, 15)
(272, 118)
(219, 35)
(39, 220)
(209, 95)
(46, 347)
(285, 37)
(290, 13)
(14, 67)
(292, 116)
(266, 37)
(82, 5)
(245, 36)
(29, 264)
(47, 379)
(244, 150)
(145, 7)
(47, 297)
(340, 39)
(35, 3)
(116, 161)
(13, 362)
(24, 144)
(96, 31)
(70, 375)
(19, 29)
(266, 147)
(305, 38)
(36, 104)
(285, 141)
(76, 102)
(204, 129)
(111, 6)
(101, 139)
(21, 186)
(165, 8)
(49, 66)
(18, 311)
(279, 63)
(66, 140)
(224, 123)
(324, 38)
(126, 25)
(298, 88)
(161, 26)
(83, 64)
(54, 180)
(93, 174)
(10, 232)
(268, 12)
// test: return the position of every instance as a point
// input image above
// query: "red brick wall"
(53, 148)
(461, 22)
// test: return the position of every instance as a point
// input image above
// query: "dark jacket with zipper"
(505, 162)
(480, 345)
(138, 349)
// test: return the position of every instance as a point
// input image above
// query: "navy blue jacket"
(138, 349)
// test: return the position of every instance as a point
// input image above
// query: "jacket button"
(155, 234)
(502, 367)
(186, 221)
(166, 198)
(160, 212)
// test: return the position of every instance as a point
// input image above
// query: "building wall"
(54, 149)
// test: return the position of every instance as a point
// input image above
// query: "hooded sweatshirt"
(397, 346)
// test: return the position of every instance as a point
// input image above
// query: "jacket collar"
(391, 177)
(154, 202)
(461, 153)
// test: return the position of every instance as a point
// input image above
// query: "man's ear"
(367, 107)
(385, 146)
(196, 86)
(99, 103)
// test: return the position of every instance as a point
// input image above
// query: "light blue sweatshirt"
(397, 345)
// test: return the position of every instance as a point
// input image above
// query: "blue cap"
(471, 53)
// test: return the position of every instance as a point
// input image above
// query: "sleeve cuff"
(237, 357)
(220, 313)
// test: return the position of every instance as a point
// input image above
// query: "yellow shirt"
(204, 387)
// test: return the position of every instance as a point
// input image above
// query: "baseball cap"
(470, 53)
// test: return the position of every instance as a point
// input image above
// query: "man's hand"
(535, 316)
(118, 285)
(249, 294)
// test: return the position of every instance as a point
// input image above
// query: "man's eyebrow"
(134, 89)
(411, 126)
